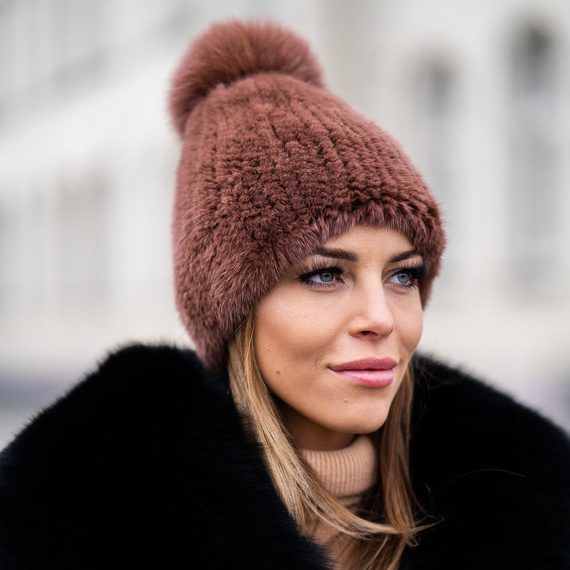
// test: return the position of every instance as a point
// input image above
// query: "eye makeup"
(416, 271)
(305, 274)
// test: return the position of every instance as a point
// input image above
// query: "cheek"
(278, 334)
(289, 334)
(410, 327)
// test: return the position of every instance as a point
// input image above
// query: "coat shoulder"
(489, 471)
(144, 463)
(127, 397)
(453, 405)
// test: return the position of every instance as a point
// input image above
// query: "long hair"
(379, 536)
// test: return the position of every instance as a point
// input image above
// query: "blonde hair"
(375, 541)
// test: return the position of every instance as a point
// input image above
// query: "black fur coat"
(144, 466)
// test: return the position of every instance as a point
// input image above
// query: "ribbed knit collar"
(348, 472)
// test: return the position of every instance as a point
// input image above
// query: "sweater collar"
(348, 472)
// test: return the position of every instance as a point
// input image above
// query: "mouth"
(371, 371)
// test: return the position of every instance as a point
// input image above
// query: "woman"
(303, 433)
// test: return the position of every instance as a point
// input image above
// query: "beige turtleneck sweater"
(346, 474)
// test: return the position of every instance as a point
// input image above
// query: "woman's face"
(334, 336)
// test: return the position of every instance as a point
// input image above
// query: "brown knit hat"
(273, 164)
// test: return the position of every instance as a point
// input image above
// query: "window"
(78, 34)
(439, 148)
(8, 257)
(8, 58)
(82, 242)
(534, 189)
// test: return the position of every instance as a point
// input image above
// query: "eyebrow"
(337, 253)
(404, 255)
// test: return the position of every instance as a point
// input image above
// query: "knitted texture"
(345, 473)
(272, 165)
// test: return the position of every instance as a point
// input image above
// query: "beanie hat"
(272, 165)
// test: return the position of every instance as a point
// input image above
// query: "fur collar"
(145, 465)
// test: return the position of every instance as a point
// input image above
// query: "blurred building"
(478, 93)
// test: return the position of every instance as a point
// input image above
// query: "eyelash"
(416, 271)
(305, 274)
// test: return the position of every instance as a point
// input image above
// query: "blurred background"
(477, 92)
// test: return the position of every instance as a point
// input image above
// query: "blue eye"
(320, 276)
(409, 277)
(403, 278)
(324, 276)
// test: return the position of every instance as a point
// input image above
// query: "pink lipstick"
(371, 371)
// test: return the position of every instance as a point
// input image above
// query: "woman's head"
(274, 166)
(304, 238)
(334, 336)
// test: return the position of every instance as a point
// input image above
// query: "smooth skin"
(356, 297)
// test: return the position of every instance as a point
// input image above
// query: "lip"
(371, 371)
(368, 363)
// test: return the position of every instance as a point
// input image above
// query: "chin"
(375, 418)
(364, 427)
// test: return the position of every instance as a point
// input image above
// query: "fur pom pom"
(233, 50)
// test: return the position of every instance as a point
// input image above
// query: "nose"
(372, 315)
